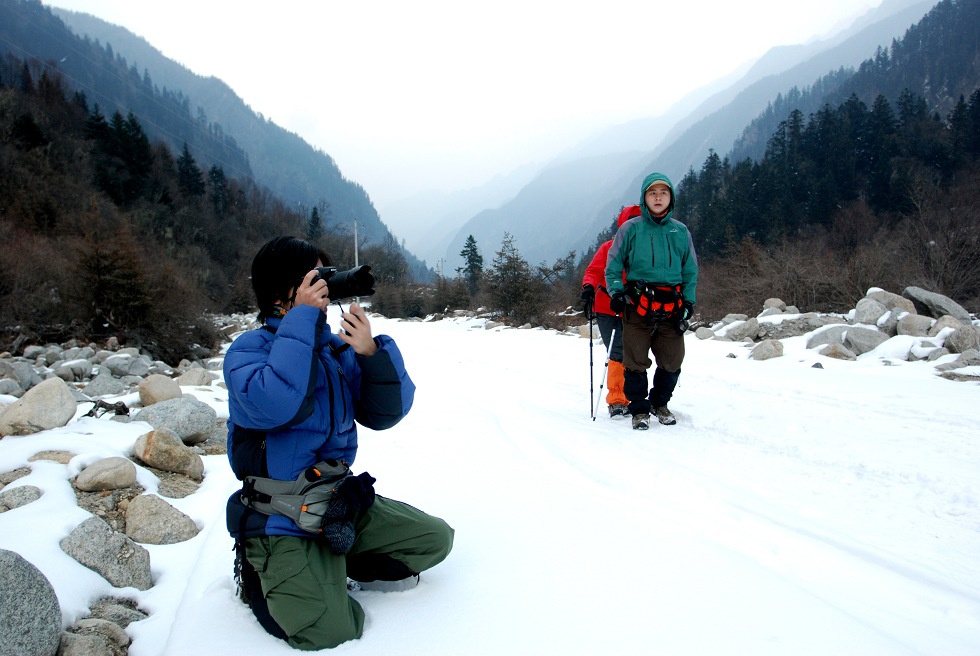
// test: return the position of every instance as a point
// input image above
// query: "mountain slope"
(682, 137)
(121, 71)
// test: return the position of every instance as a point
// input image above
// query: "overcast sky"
(444, 94)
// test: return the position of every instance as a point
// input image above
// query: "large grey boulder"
(30, 616)
(151, 520)
(891, 301)
(963, 339)
(869, 311)
(191, 420)
(935, 305)
(766, 350)
(832, 335)
(162, 449)
(49, 404)
(156, 388)
(119, 560)
(859, 339)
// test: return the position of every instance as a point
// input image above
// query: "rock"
(774, 303)
(915, 325)
(859, 339)
(704, 333)
(162, 449)
(832, 335)
(125, 364)
(151, 520)
(30, 616)
(935, 305)
(766, 350)
(191, 420)
(107, 474)
(749, 329)
(15, 497)
(85, 644)
(946, 322)
(199, 376)
(95, 626)
(73, 370)
(891, 301)
(49, 404)
(104, 384)
(118, 611)
(963, 339)
(118, 559)
(869, 311)
(838, 352)
(156, 388)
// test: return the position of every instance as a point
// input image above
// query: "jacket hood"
(628, 213)
(651, 179)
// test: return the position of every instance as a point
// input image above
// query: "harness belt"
(306, 500)
(657, 302)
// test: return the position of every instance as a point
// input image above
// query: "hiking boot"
(618, 410)
(641, 421)
(665, 416)
(384, 586)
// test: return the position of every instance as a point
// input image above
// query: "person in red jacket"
(610, 323)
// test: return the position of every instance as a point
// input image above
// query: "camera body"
(345, 284)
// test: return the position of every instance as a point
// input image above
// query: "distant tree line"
(846, 187)
(106, 232)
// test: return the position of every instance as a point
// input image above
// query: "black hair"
(277, 268)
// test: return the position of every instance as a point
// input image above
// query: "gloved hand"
(357, 492)
(687, 311)
(354, 495)
(617, 303)
(588, 293)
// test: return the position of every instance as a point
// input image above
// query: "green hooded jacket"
(656, 250)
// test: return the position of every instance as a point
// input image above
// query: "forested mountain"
(877, 181)
(120, 71)
(678, 140)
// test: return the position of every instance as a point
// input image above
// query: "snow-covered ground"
(792, 509)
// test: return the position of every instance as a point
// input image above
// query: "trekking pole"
(606, 369)
(588, 310)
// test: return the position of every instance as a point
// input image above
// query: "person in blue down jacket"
(655, 256)
(295, 391)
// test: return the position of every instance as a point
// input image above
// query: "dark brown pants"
(640, 338)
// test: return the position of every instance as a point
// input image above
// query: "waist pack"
(657, 302)
(309, 500)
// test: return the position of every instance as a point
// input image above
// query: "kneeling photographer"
(296, 391)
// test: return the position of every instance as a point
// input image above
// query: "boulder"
(151, 520)
(156, 388)
(30, 616)
(122, 562)
(112, 473)
(162, 449)
(47, 405)
(935, 305)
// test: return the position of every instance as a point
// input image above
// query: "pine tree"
(190, 179)
(472, 269)
(314, 227)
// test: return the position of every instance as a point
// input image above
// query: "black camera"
(345, 284)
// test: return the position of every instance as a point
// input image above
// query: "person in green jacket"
(655, 256)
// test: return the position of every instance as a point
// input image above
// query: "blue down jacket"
(295, 390)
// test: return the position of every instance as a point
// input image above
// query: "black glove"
(588, 293)
(687, 311)
(357, 492)
(354, 495)
(617, 303)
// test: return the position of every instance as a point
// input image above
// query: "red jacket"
(595, 273)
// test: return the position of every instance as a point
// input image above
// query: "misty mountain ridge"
(536, 210)
(689, 133)
(277, 159)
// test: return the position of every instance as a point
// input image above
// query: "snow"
(793, 509)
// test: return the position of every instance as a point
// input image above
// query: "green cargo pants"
(305, 584)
